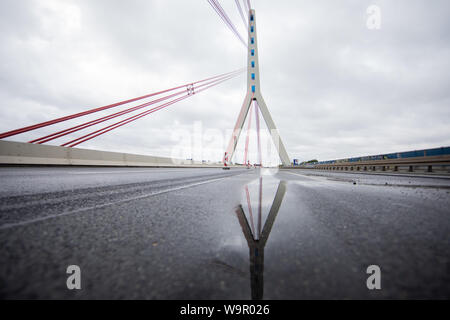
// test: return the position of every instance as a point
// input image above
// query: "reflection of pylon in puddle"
(256, 234)
(257, 241)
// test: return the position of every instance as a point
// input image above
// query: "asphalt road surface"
(141, 233)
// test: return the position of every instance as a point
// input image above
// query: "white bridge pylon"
(254, 94)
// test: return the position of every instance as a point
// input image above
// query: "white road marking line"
(22, 223)
(108, 172)
(304, 176)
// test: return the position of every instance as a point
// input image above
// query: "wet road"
(215, 234)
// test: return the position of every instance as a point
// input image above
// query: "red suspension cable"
(104, 130)
(249, 205)
(80, 114)
(241, 13)
(100, 120)
(246, 5)
(228, 21)
(222, 14)
(248, 134)
(260, 206)
(117, 114)
(257, 131)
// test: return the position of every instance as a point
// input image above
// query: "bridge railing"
(429, 164)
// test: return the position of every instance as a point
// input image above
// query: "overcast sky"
(334, 87)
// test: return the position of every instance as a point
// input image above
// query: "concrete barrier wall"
(34, 154)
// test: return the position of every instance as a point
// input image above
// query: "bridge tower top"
(253, 83)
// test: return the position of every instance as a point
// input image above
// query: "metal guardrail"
(429, 164)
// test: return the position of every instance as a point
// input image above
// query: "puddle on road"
(256, 215)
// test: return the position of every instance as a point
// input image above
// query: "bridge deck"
(175, 233)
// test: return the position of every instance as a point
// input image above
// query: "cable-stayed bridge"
(156, 227)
